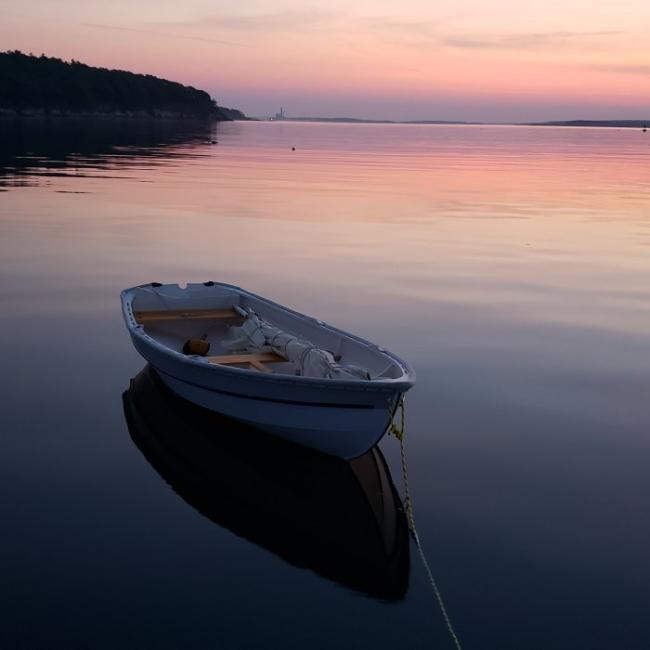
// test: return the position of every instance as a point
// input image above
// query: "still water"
(509, 265)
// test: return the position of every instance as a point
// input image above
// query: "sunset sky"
(504, 60)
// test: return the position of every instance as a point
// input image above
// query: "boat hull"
(344, 423)
(346, 431)
(337, 417)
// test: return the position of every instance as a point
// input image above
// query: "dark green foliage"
(232, 114)
(31, 84)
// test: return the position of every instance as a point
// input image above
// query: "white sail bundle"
(256, 335)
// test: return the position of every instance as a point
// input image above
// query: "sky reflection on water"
(509, 265)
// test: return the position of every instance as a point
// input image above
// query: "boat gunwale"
(387, 384)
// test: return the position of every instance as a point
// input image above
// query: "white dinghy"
(253, 360)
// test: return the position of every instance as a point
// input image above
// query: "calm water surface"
(509, 265)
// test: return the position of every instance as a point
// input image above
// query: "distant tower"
(280, 115)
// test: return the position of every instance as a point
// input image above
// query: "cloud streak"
(281, 21)
(531, 40)
(164, 34)
(635, 69)
(386, 29)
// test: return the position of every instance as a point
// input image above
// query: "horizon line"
(611, 122)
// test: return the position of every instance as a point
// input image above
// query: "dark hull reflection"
(342, 519)
(39, 147)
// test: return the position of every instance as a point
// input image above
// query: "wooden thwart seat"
(149, 316)
(256, 360)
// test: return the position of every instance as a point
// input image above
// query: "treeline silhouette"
(40, 84)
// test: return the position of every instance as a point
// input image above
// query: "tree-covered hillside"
(40, 84)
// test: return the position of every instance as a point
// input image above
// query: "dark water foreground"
(510, 266)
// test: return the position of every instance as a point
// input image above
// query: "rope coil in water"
(399, 433)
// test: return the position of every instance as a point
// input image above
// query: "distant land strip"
(358, 120)
(45, 86)
(626, 124)
(637, 124)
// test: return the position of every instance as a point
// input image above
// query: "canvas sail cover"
(256, 335)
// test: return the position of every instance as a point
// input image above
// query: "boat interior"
(199, 318)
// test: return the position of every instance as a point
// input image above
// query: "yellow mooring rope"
(399, 433)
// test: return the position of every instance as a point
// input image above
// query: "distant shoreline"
(620, 124)
(357, 120)
(629, 124)
(167, 116)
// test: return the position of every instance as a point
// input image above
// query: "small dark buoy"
(213, 142)
(645, 128)
(293, 148)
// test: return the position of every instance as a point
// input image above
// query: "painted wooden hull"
(337, 417)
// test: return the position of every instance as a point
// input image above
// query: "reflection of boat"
(268, 366)
(342, 519)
